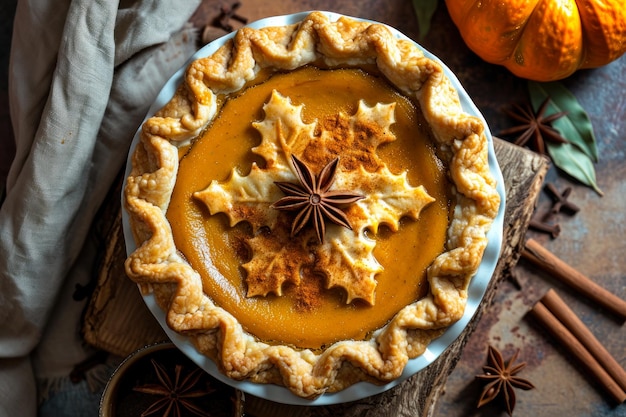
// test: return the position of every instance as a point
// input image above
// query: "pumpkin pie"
(310, 206)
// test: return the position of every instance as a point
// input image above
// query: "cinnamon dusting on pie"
(310, 293)
(345, 258)
(355, 142)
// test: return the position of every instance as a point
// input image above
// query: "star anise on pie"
(313, 199)
(502, 379)
(275, 258)
(177, 394)
(534, 126)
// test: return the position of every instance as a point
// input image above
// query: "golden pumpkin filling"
(292, 289)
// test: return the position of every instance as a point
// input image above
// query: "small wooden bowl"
(121, 399)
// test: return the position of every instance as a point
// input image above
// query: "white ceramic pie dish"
(360, 390)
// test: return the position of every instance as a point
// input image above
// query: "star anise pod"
(534, 126)
(313, 200)
(176, 395)
(502, 379)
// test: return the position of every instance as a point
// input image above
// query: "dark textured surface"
(591, 240)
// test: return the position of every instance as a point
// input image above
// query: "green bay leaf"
(424, 11)
(577, 157)
(575, 126)
(574, 162)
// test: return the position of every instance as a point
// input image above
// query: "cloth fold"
(82, 76)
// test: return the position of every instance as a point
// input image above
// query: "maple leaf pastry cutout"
(280, 249)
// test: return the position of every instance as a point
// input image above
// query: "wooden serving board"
(110, 322)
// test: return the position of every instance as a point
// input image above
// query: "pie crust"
(158, 267)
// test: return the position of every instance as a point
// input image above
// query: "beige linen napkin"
(82, 76)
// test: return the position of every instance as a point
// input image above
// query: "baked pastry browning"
(158, 266)
(344, 259)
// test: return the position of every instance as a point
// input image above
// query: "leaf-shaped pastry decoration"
(345, 258)
(389, 197)
(245, 198)
(276, 259)
(282, 131)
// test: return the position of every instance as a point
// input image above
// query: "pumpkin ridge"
(544, 40)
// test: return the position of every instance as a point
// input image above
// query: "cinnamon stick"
(561, 311)
(567, 340)
(546, 260)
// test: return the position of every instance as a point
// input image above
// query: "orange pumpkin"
(542, 40)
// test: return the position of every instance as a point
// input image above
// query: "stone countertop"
(590, 240)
